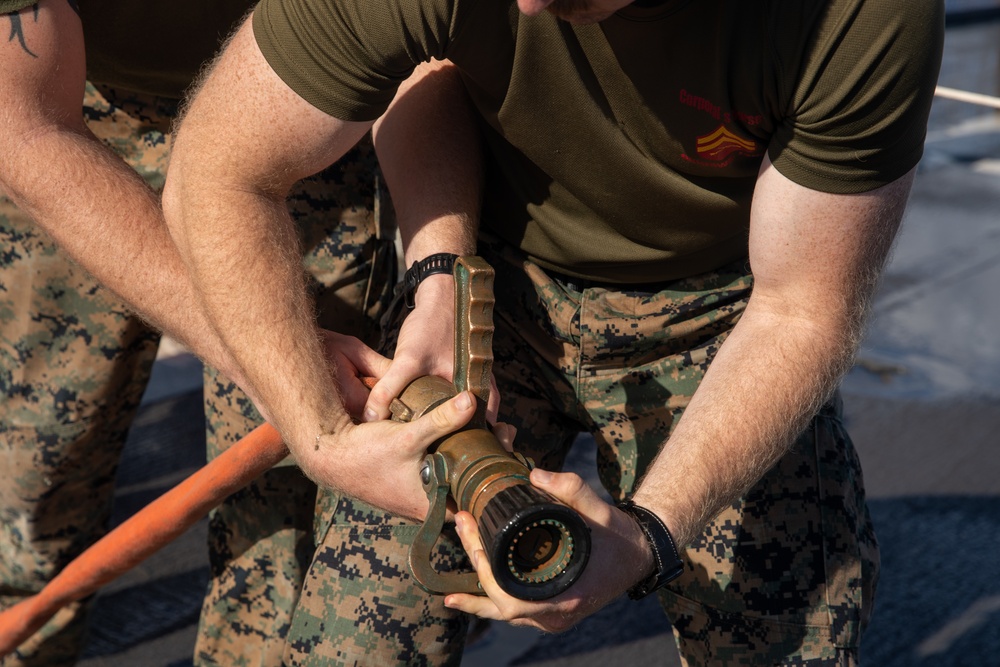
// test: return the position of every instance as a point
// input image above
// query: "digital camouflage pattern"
(784, 576)
(619, 364)
(360, 605)
(73, 366)
(787, 575)
(262, 538)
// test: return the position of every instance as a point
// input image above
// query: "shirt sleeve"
(11, 6)
(858, 113)
(347, 57)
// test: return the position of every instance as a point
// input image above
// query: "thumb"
(568, 488)
(391, 385)
(447, 418)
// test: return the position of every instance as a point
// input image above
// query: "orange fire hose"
(144, 533)
(147, 531)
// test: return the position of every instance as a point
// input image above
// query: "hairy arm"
(429, 130)
(816, 259)
(244, 140)
(76, 189)
(239, 149)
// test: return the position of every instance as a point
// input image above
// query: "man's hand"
(354, 362)
(379, 462)
(429, 130)
(426, 346)
(620, 557)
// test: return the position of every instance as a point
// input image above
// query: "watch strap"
(442, 262)
(667, 561)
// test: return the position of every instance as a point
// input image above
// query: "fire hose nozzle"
(537, 546)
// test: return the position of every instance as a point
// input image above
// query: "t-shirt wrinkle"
(717, 83)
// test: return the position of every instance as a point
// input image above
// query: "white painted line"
(977, 614)
(964, 96)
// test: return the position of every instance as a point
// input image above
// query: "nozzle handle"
(474, 331)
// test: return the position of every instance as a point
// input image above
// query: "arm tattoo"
(17, 29)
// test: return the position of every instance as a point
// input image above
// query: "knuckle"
(573, 483)
(380, 394)
(409, 440)
(441, 417)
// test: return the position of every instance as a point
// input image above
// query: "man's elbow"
(174, 200)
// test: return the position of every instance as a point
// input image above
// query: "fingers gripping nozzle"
(537, 546)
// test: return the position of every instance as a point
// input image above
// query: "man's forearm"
(817, 258)
(104, 216)
(244, 256)
(245, 140)
(429, 151)
(768, 379)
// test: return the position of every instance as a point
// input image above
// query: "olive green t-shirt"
(150, 46)
(628, 151)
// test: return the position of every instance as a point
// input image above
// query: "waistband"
(574, 284)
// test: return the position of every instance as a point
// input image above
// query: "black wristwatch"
(668, 562)
(442, 262)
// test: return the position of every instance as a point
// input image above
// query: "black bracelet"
(665, 557)
(442, 262)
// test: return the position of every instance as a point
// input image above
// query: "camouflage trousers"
(262, 539)
(74, 364)
(787, 574)
(346, 599)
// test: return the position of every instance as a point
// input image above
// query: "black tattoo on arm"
(17, 29)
